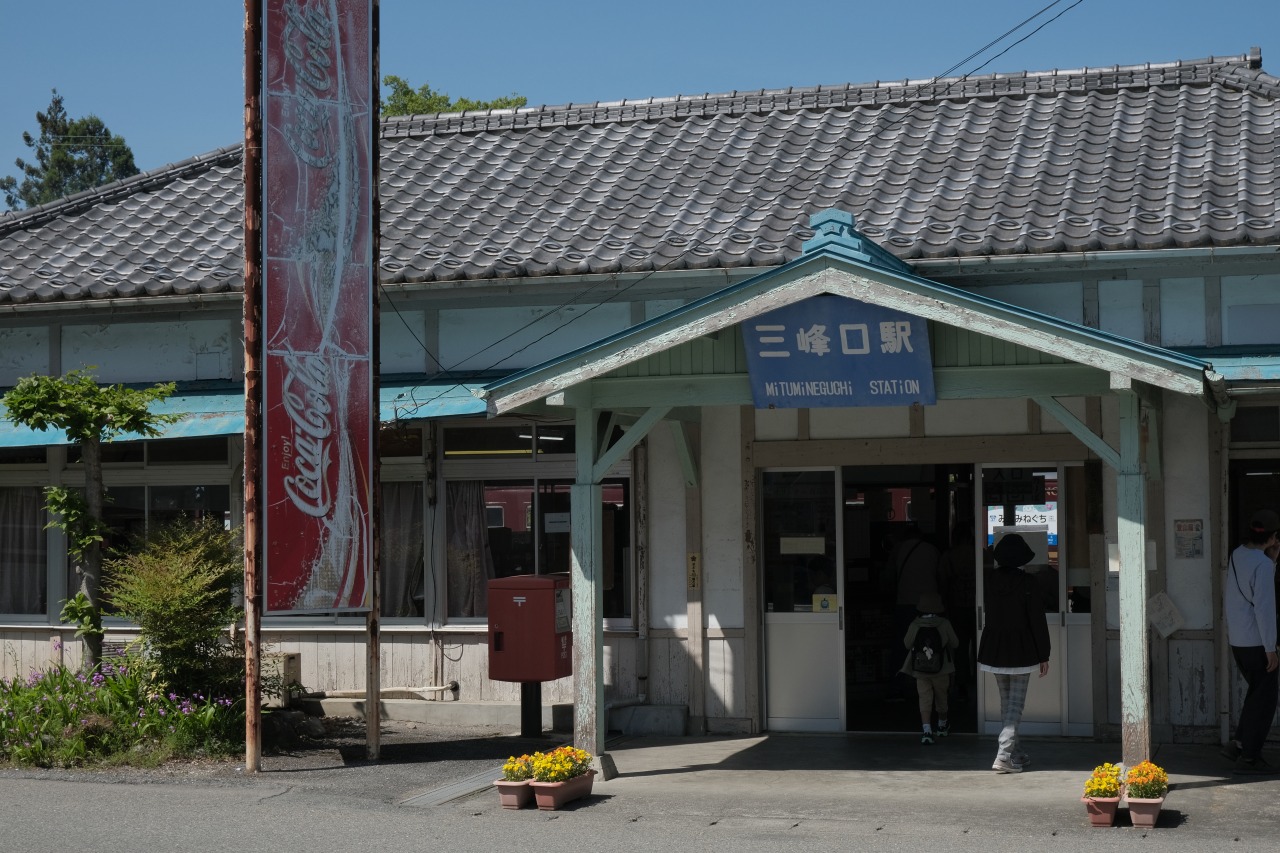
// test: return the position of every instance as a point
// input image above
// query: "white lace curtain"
(22, 550)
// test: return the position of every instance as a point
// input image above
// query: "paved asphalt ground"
(431, 790)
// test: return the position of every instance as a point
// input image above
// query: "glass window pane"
(401, 554)
(462, 442)
(125, 513)
(508, 509)
(21, 456)
(399, 442)
(799, 533)
(113, 452)
(125, 516)
(179, 451)
(616, 548)
(22, 550)
(169, 503)
(1025, 501)
(554, 536)
(555, 439)
(1256, 423)
(526, 530)
(469, 563)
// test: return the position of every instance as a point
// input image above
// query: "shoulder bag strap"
(1236, 576)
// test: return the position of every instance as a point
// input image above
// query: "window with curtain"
(130, 512)
(500, 528)
(468, 560)
(401, 552)
(22, 550)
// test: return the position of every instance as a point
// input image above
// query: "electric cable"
(802, 174)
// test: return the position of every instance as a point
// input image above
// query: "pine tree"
(71, 155)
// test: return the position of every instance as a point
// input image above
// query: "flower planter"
(552, 795)
(514, 795)
(1144, 812)
(1102, 810)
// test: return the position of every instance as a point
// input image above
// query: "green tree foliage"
(88, 414)
(71, 155)
(177, 587)
(404, 100)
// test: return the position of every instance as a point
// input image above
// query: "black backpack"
(927, 650)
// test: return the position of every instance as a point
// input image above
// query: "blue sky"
(168, 74)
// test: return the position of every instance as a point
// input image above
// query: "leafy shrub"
(63, 718)
(177, 586)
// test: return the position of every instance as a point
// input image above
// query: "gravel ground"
(331, 758)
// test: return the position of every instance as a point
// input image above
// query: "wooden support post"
(373, 636)
(590, 722)
(252, 381)
(1135, 710)
(695, 620)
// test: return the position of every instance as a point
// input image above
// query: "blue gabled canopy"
(840, 261)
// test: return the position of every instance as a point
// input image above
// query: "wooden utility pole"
(373, 678)
(252, 382)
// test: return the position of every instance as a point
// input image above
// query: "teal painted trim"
(836, 257)
(629, 439)
(835, 231)
(1077, 428)
(402, 401)
(220, 413)
(688, 465)
(950, 383)
(1247, 369)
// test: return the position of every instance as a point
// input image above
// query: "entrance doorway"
(833, 641)
(910, 515)
(833, 624)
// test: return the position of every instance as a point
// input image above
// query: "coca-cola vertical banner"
(318, 411)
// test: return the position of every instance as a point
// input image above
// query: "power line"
(804, 174)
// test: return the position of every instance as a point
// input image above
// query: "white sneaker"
(1003, 765)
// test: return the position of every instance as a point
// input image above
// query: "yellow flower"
(560, 764)
(1146, 781)
(1105, 781)
(517, 769)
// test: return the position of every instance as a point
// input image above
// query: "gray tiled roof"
(1136, 157)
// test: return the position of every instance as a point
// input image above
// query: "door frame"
(783, 635)
(1063, 625)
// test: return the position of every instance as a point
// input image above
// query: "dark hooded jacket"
(1015, 633)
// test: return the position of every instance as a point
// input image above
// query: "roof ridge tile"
(1244, 67)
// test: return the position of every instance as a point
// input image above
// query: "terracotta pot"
(1144, 812)
(1102, 810)
(514, 795)
(552, 795)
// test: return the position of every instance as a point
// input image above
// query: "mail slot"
(530, 635)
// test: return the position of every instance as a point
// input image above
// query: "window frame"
(534, 468)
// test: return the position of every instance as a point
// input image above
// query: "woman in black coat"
(1015, 641)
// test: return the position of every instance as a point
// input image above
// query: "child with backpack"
(931, 643)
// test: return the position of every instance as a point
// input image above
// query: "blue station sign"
(834, 351)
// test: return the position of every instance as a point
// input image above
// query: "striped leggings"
(1013, 696)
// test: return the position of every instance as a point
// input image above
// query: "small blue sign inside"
(833, 351)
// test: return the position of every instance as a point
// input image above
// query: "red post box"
(530, 628)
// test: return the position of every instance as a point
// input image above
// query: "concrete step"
(649, 720)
